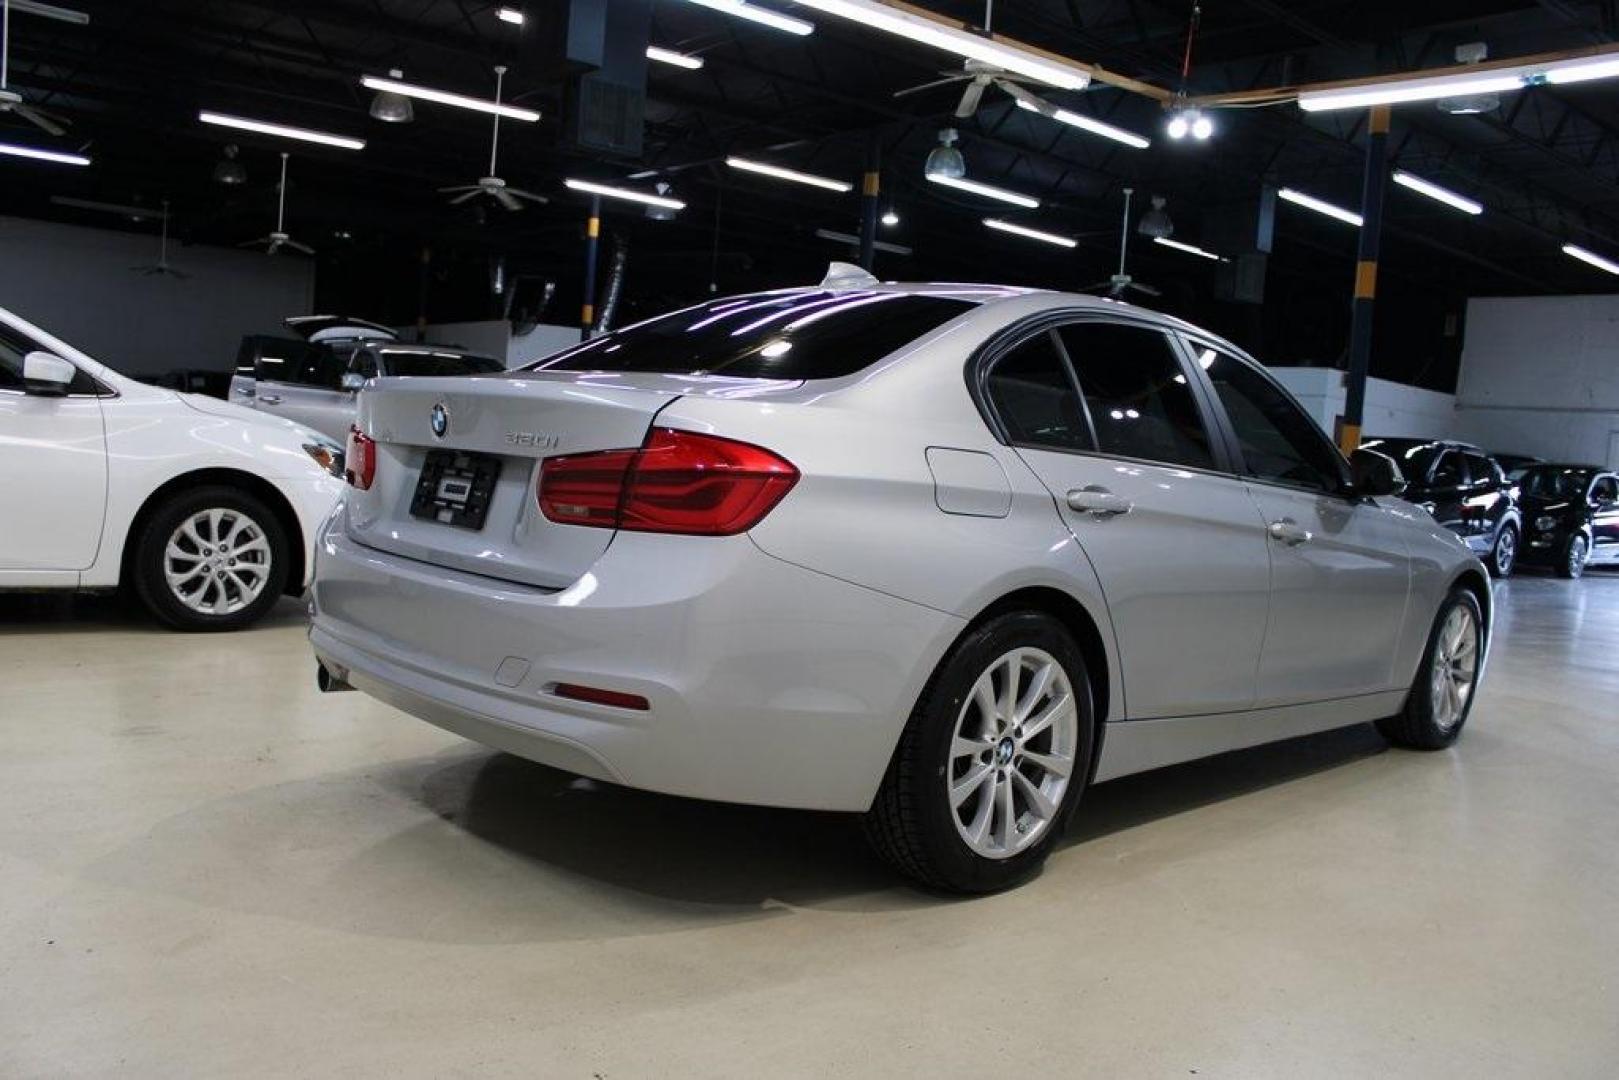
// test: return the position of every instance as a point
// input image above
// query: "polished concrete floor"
(208, 869)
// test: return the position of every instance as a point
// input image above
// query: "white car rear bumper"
(767, 683)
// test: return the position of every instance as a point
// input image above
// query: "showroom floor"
(207, 868)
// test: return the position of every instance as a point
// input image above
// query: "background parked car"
(313, 379)
(206, 510)
(1465, 491)
(1571, 515)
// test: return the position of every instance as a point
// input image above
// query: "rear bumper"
(767, 683)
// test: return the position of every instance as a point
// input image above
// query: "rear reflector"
(598, 696)
(360, 459)
(678, 482)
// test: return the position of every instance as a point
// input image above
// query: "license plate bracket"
(455, 488)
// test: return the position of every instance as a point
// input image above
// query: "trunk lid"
(512, 423)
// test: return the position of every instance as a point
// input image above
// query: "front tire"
(1572, 558)
(210, 558)
(993, 760)
(1441, 697)
(1504, 555)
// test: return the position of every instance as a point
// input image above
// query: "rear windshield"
(420, 365)
(798, 335)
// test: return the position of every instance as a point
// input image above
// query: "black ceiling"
(1545, 163)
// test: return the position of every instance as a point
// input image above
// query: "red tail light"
(678, 482)
(360, 459)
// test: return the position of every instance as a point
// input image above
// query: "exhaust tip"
(331, 681)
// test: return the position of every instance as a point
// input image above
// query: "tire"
(914, 822)
(1572, 556)
(1428, 721)
(174, 583)
(1504, 553)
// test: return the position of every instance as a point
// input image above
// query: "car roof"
(1406, 442)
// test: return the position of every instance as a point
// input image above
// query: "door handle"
(270, 399)
(1290, 532)
(1098, 502)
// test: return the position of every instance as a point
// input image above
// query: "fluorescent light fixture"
(49, 11)
(1190, 249)
(1032, 234)
(444, 97)
(1403, 90)
(989, 190)
(511, 15)
(912, 23)
(1085, 123)
(1320, 206)
(1434, 191)
(766, 169)
(624, 193)
(1591, 257)
(753, 13)
(854, 241)
(133, 213)
(677, 59)
(43, 155)
(284, 131)
(1577, 71)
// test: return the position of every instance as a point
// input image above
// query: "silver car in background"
(942, 555)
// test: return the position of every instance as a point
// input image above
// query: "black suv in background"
(1571, 515)
(1466, 492)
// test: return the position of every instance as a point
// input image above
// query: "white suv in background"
(206, 510)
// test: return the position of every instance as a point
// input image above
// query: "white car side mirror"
(352, 381)
(47, 375)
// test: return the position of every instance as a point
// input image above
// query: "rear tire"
(1504, 555)
(210, 558)
(985, 778)
(1442, 694)
(1571, 559)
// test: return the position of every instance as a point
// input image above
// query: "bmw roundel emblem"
(439, 420)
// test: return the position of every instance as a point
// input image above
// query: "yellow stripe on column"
(587, 314)
(594, 228)
(1365, 280)
(869, 185)
(1348, 437)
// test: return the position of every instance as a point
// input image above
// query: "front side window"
(801, 334)
(14, 348)
(1482, 469)
(1279, 441)
(1035, 399)
(321, 369)
(1606, 490)
(1449, 471)
(1136, 394)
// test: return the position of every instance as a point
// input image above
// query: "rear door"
(1605, 519)
(1447, 491)
(1104, 415)
(1487, 503)
(1340, 571)
(305, 385)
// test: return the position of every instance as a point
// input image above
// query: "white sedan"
(940, 554)
(206, 510)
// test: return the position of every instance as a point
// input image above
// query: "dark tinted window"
(423, 364)
(1551, 482)
(1482, 469)
(1136, 394)
(1035, 398)
(1279, 440)
(289, 361)
(797, 335)
(1450, 471)
(1606, 490)
(364, 364)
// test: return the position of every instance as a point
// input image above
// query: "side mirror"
(352, 381)
(47, 375)
(1375, 474)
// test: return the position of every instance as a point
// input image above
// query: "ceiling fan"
(11, 101)
(279, 238)
(979, 75)
(162, 267)
(492, 185)
(1121, 282)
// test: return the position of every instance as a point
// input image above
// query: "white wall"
(80, 284)
(1540, 375)
(495, 338)
(1391, 408)
(541, 341)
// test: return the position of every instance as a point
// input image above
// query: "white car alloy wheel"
(217, 561)
(1455, 667)
(1578, 552)
(1506, 551)
(1013, 753)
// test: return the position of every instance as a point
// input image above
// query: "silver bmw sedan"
(942, 555)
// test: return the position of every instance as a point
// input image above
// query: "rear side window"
(815, 334)
(423, 364)
(1137, 396)
(1034, 397)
